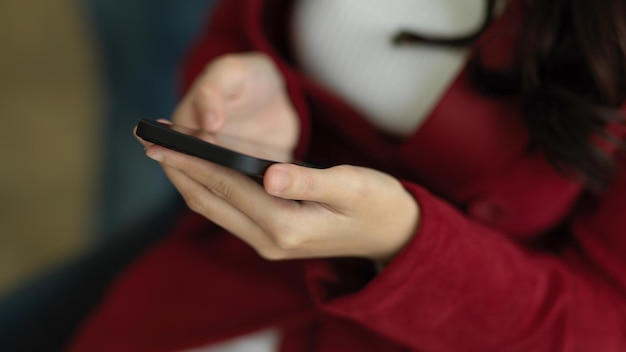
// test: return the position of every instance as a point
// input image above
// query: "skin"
(298, 212)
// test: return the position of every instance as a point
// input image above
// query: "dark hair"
(571, 76)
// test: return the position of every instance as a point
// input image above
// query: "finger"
(235, 188)
(209, 106)
(337, 186)
(143, 142)
(227, 74)
(224, 207)
(199, 109)
(206, 203)
(164, 121)
(281, 223)
(222, 80)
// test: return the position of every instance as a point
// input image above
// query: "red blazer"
(475, 279)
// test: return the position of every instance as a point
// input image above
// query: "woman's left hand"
(299, 212)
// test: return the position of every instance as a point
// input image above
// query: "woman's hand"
(299, 212)
(242, 95)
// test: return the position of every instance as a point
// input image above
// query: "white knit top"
(346, 46)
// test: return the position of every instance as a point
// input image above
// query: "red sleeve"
(459, 286)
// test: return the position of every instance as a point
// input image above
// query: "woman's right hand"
(242, 95)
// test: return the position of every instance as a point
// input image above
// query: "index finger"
(237, 189)
(204, 104)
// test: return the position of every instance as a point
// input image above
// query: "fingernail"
(155, 156)
(279, 181)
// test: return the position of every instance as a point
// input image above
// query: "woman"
(466, 217)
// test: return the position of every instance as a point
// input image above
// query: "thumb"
(331, 186)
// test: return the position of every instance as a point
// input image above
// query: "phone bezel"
(161, 134)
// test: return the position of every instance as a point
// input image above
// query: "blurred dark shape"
(142, 43)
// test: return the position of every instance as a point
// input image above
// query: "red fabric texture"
(473, 279)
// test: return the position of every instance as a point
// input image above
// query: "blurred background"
(50, 105)
(75, 76)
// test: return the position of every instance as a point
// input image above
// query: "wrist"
(399, 235)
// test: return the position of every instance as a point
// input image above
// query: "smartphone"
(237, 154)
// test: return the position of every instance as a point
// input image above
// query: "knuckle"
(204, 91)
(227, 63)
(355, 184)
(288, 241)
(277, 226)
(195, 202)
(280, 231)
(229, 59)
(306, 186)
(231, 62)
(348, 171)
(221, 189)
(273, 254)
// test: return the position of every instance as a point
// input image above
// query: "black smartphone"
(248, 158)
